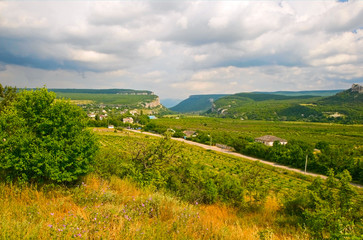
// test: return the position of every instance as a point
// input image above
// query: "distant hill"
(258, 106)
(170, 102)
(127, 98)
(103, 91)
(197, 103)
(322, 93)
(352, 96)
(200, 103)
(345, 106)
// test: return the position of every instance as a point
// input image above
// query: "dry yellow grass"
(117, 209)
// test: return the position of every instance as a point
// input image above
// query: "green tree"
(7, 95)
(153, 160)
(330, 209)
(44, 139)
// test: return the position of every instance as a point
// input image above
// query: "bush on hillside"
(44, 140)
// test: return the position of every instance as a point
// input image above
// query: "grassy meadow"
(118, 209)
(114, 208)
(113, 203)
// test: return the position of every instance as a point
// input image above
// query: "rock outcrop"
(153, 104)
(357, 88)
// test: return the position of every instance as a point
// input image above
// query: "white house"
(128, 120)
(269, 140)
(135, 111)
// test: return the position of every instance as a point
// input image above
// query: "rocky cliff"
(153, 104)
(357, 88)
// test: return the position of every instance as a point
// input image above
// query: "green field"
(113, 99)
(205, 162)
(197, 176)
(327, 146)
(303, 131)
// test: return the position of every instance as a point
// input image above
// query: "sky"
(181, 48)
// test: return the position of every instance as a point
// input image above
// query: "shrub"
(44, 140)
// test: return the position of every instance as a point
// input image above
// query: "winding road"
(217, 149)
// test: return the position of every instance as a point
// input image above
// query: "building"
(103, 116)
(133, 112)
(269, 140)
(111, 126)
(190, 133)
(152, 117)
(128, 120)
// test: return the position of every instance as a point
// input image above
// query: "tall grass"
(117, 209)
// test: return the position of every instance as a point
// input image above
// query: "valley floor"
(217, 149)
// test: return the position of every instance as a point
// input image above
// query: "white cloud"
(91, 56)
(192, 47)
(150, 49)
(183, 22)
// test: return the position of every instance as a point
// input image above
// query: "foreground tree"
(330, 209)
(7, 95)
(44, 139)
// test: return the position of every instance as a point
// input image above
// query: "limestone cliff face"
(153, 104)
(357, 88)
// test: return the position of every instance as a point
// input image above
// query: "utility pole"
(306, 162)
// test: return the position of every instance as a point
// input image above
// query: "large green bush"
(44, 139)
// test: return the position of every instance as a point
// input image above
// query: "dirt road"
(217, 149)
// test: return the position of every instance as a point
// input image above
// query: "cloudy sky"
(179, 48)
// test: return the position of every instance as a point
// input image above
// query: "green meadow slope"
(344, 107)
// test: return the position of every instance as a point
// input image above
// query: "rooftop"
(270, 138)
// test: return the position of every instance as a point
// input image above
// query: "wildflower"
(50, 225)
(142, 205)
(52, 214)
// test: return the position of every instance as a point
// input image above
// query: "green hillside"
(197, 103)
(200, 103)
(108, 98)
(103, 91)
(348, 97)
(347, 104)
(124, 97)
(259, 106)
(345, 107)
(322, 93)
